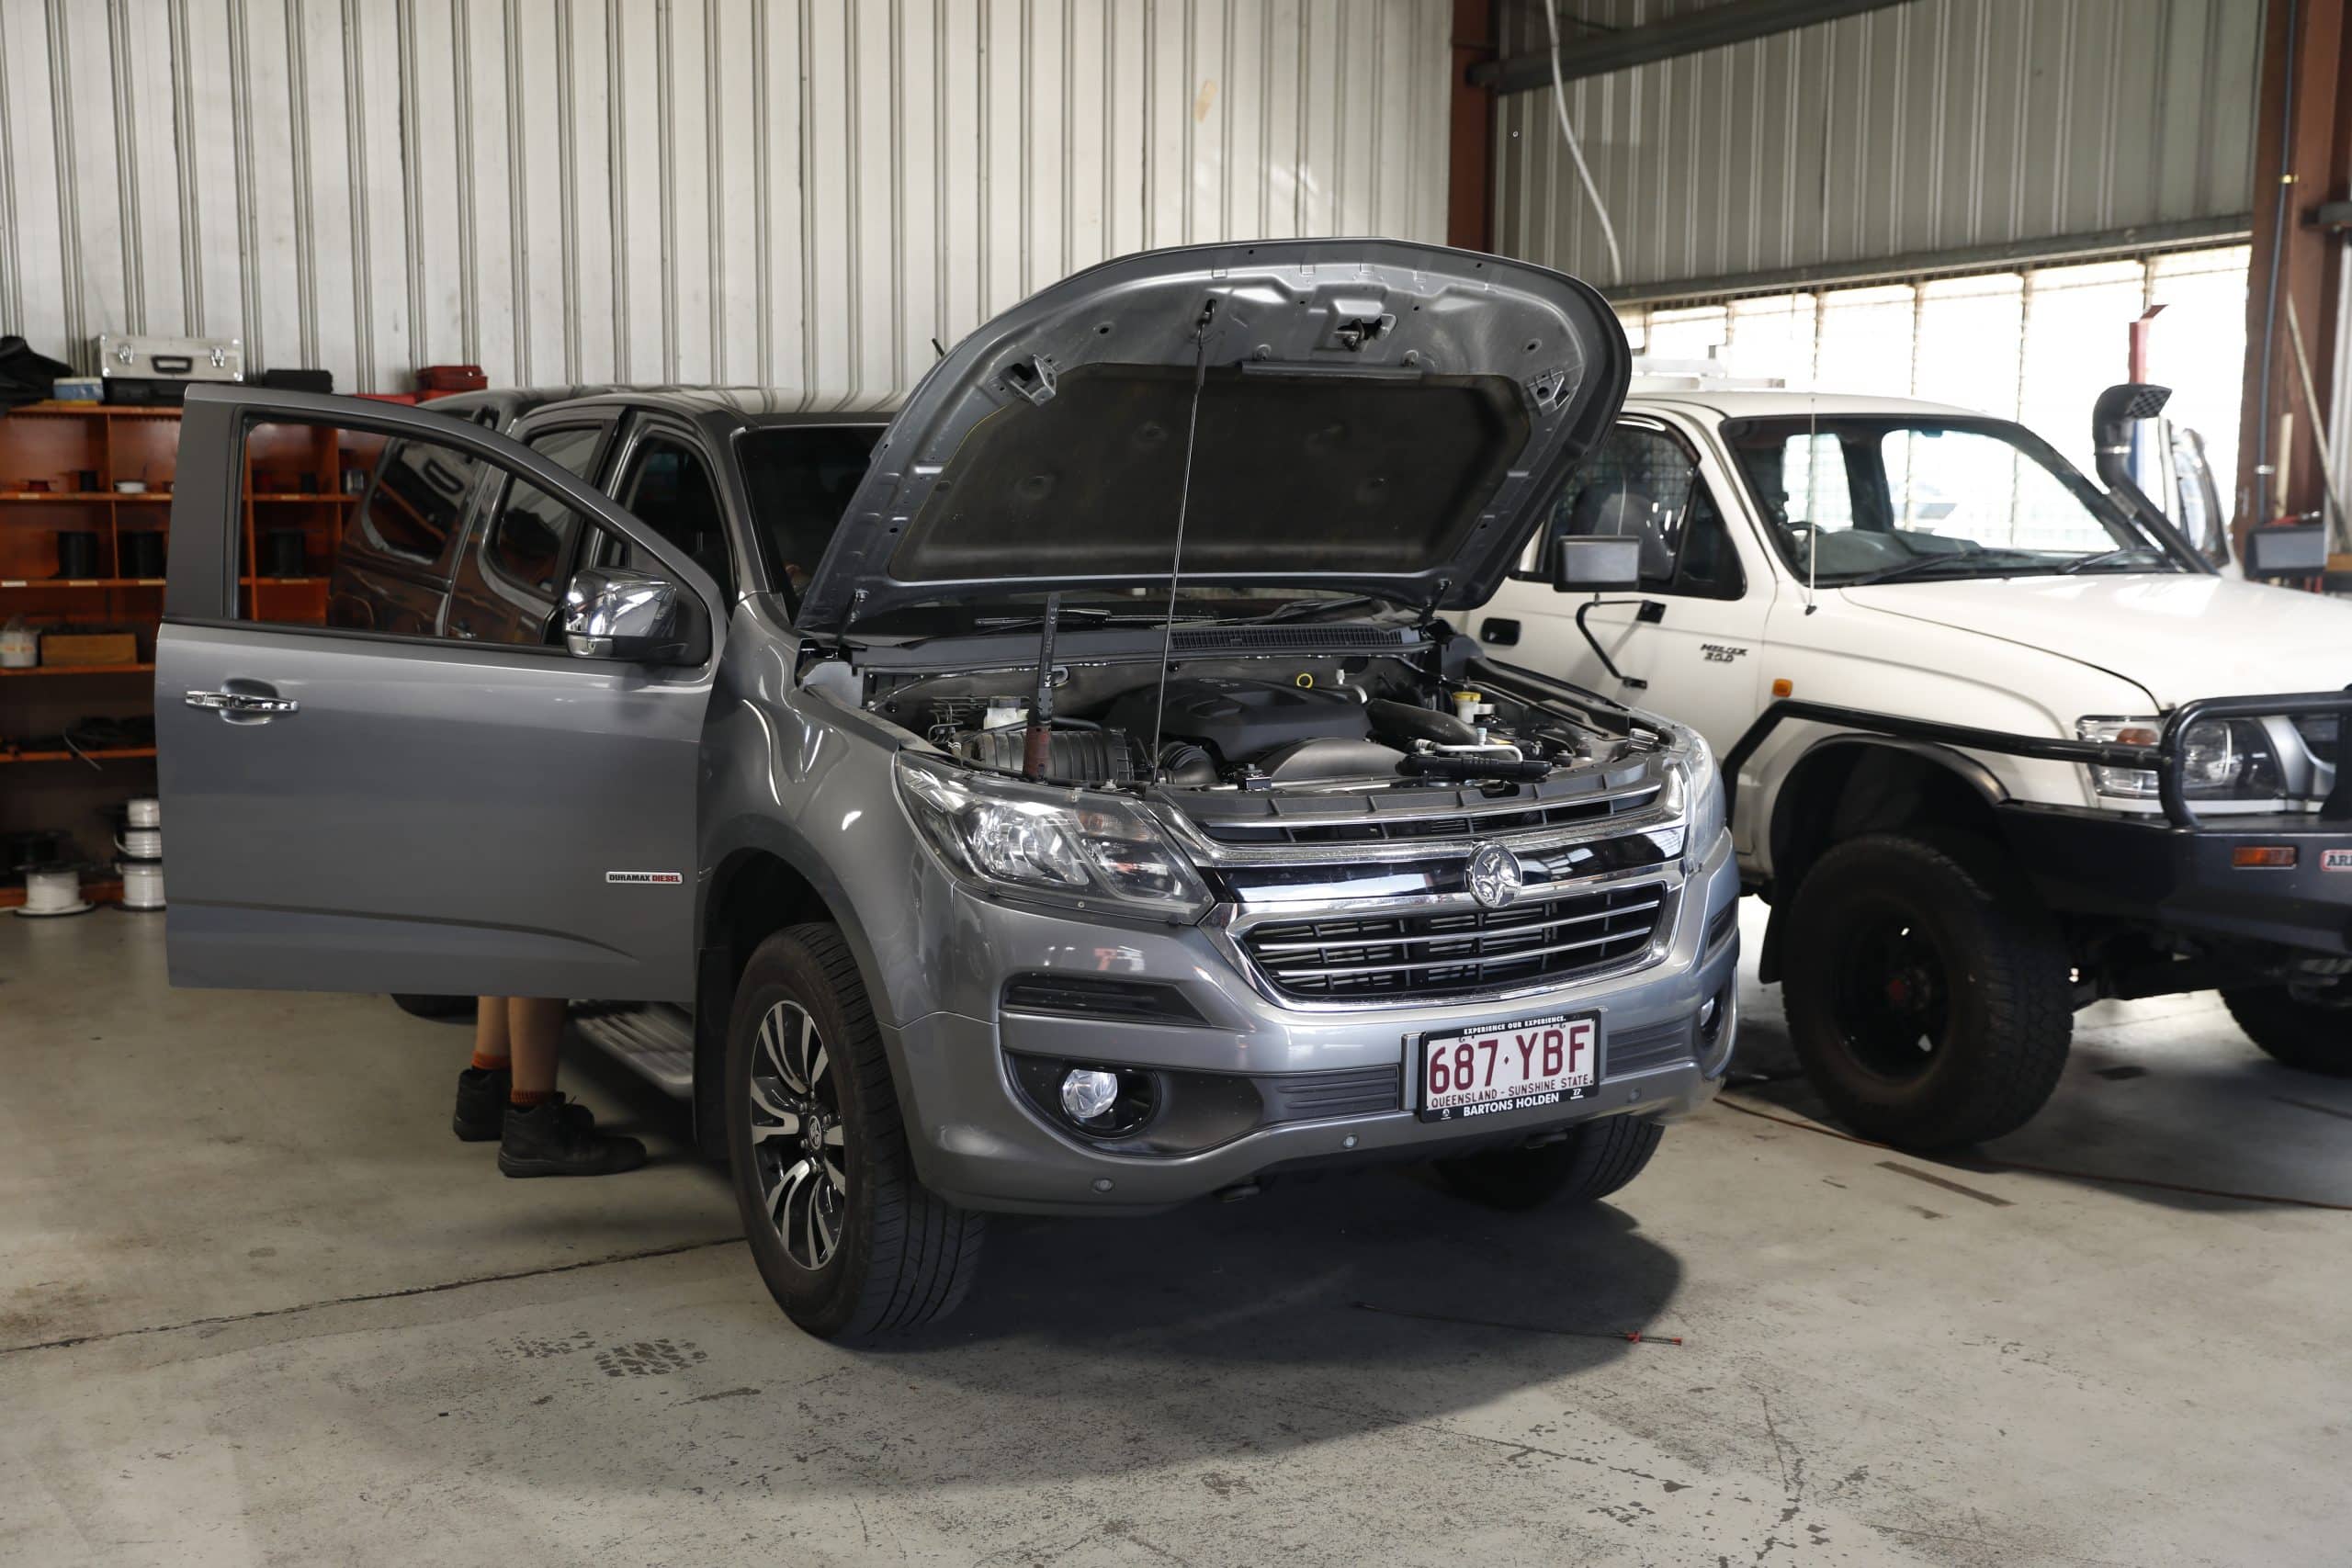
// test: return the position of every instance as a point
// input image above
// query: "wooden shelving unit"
(295, 504)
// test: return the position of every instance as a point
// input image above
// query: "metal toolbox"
(122, 357)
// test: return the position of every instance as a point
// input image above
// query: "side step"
(655, 1040)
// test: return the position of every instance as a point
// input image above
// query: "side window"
(531, 534)
(1643, 482)
(317, 546)
(419, 499)
(508, 586)
(668, 486)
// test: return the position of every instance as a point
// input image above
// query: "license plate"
(1519, 1066)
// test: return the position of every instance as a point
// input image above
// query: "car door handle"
(1502, 633)
(232, 703)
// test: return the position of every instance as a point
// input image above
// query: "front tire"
(1593, 1161)
(1926, 990)
(848, 1241)
(2311, 1033)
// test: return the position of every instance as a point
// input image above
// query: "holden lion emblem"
(1495, 875)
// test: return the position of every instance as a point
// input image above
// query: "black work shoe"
(557, 1137)
(482, 1103)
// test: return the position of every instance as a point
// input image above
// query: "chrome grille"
(1441, 825)
(1455, 950)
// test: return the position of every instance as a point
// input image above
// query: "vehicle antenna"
(1812, 390)
(1184, 501)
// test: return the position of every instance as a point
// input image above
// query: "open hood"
(1375, 416)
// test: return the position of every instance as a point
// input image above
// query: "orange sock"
(482, 1064)
(528, 1099)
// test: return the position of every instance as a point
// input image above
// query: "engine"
(1327, 726)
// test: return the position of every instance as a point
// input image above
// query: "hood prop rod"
(1037, 745)
(1184, 504)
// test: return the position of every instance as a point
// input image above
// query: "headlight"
(1070, 845)
(1694, 784)
(2226, 759)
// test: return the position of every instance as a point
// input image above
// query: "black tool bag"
(25, 376)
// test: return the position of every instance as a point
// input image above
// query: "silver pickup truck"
(1091, 814)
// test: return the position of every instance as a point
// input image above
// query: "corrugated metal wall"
(795, 192)
(1936, 126)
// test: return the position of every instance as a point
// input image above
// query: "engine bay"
(1253, 723)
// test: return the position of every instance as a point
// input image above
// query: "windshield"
(1854, 500)
(800, 478)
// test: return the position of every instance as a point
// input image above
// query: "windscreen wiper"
(1920, 563)
(2085, 563)
(1298, 607)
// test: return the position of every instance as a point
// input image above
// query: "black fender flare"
(1968, 770)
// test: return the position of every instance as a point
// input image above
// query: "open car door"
(354, 810)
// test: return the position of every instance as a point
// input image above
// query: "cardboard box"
(89, 648)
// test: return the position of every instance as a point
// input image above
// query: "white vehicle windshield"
(1854, 500)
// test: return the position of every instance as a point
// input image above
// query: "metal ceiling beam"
(1739, 21)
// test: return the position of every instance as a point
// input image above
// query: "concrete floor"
(257, 1306)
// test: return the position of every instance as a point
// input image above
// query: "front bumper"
(2148, 870)
(981, 1143)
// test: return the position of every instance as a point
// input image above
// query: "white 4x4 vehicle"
(2000, 741)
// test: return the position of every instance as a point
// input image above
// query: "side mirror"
(1595, 563)
(613, 613)
(2286, 549)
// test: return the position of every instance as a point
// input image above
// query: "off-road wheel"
(1927, 990)
(449, 1009)
(1595, 1160)
(848, 1241)
(2307, 1028)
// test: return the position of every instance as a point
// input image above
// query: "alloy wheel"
(799, 1140)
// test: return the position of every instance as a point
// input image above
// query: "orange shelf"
(77, 670)
(116, 753)
(55, 409)
(29, 583)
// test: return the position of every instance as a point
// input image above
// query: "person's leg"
(483, 1086)
(490, 1048)
(535, 1035)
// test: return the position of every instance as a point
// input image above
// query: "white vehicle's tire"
(2312, 1033)
(1927, 990)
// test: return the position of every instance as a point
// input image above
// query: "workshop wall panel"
(1989, 130)
(799, 194)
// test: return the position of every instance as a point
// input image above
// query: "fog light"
(1088, 1093)
(1707, 1019)
(2271, 857)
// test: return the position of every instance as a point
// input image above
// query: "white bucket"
(142, 885)
(141, 843)
(143, 811)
